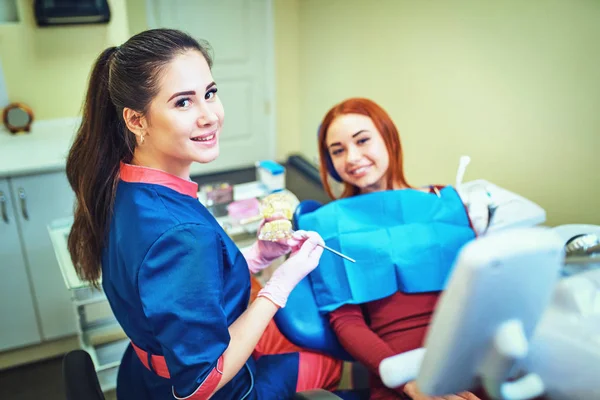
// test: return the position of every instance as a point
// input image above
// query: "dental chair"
(302, 324)
(520, 317)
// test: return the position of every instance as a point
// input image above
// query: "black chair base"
(317, 394)
(79, 374)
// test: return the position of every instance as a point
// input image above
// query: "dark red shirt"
(383, 328)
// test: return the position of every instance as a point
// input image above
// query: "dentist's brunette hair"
(385, 126)
(127, 76)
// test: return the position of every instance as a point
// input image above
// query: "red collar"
(135, 173)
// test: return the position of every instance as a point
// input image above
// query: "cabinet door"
(18, 324)
(39, 200)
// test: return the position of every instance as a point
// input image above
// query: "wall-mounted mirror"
(17, 117)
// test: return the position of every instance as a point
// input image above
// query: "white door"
(241, 35)
(18, 324)
(40, 200)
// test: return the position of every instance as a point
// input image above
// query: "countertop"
(43, 149)
(46, 146)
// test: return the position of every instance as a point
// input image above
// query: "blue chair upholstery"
(300, 320)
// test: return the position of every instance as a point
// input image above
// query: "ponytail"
(123, 77)
(93, 169)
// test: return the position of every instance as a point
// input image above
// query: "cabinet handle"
(3, 207)
(23, 198)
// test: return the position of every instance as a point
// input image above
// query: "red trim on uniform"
(138, 174)
(159, 367)
(206, 388)
(159, 364)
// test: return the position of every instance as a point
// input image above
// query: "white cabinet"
(18, 324)
(31, 279)
(39, 200)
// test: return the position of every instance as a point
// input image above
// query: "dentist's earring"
(142, 139)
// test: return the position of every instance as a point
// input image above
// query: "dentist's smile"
(209, 139)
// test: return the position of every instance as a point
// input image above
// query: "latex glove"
(262, 253)
(304, 259)
(413, 391)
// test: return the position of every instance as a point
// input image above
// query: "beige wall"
(47, 68)
(515, 85)
(136, 14)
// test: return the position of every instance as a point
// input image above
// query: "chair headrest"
(305, 207)
(329, 163)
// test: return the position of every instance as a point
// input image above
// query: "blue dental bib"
(402, 240)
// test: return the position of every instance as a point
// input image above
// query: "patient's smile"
(360, 171)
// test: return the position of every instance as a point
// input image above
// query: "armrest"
(317, 394)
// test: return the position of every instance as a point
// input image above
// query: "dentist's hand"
(305, 258)
(413, 391)
(262, 253)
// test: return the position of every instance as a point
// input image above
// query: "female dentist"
(176, 282)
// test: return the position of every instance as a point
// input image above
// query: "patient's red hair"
(385, 126)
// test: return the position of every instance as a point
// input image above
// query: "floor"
(44, 380)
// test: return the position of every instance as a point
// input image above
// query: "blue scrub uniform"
(175, 282)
